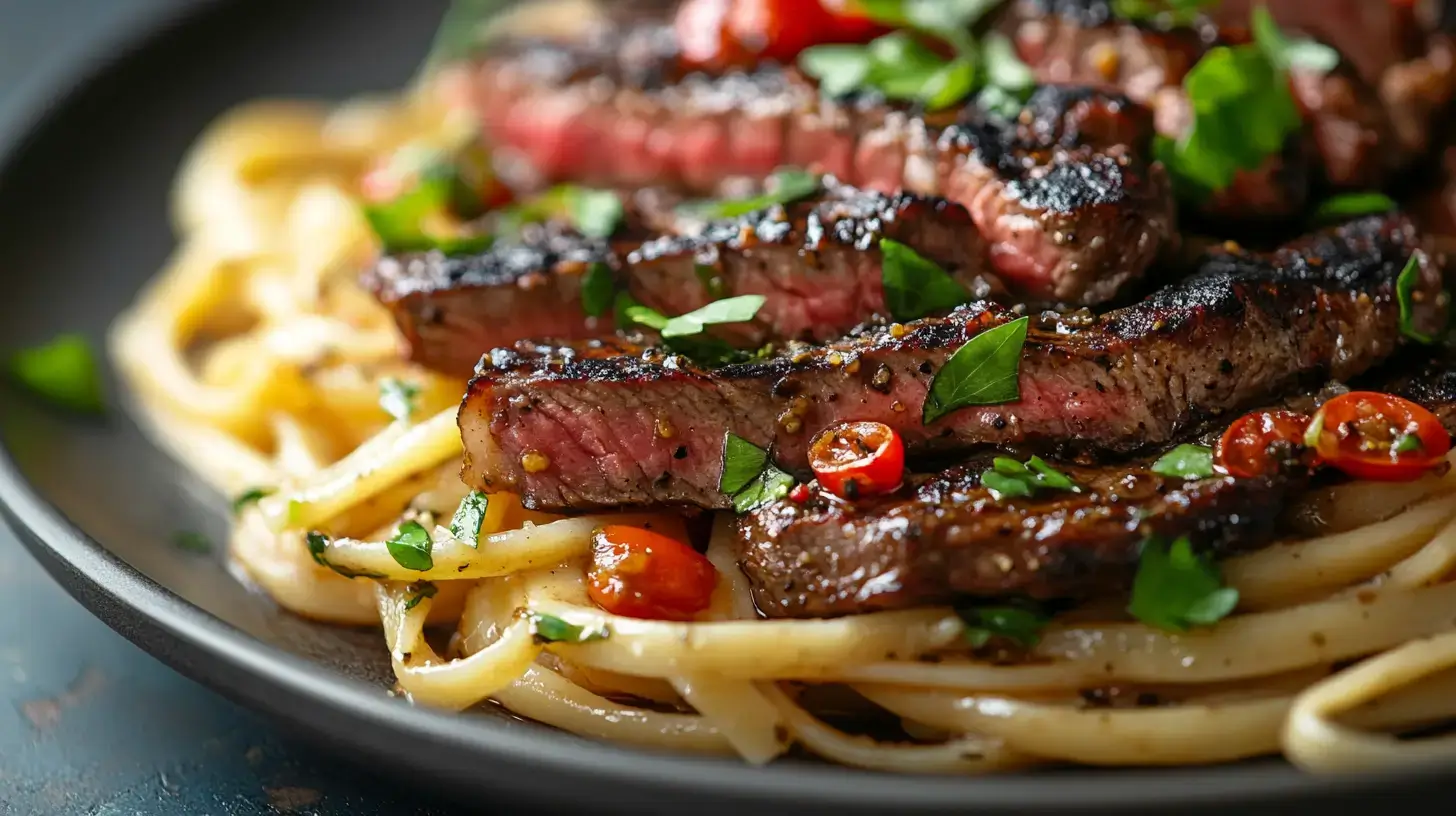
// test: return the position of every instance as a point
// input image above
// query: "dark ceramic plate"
(83, 225)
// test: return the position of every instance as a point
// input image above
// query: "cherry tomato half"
(722, 34)
(637, 573)
(1378, 436)
(854, 459)
(1258, 443)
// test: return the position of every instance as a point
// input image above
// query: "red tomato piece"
(854, 459)
(1257, 443)
(723, 34)
(1378, 436)
(637, 573)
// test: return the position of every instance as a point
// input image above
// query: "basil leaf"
(743, 461)
(411, 547)
(1408, 443)
(981, 372)
(250, 497)
(1186, 462)
(1008, 477)
(1004, 69)
(1352, 205)
(191, 541)
(630, 312)
(1405, 286)
(468, 518)
(397, 397)
(771, 485)
(729, 310)
(1176, 13)
(419, 592)
(1176, 590)
(594, 213)
(551, 629)
(597, 290)
(1016, 624)
(1001, 102)
(1002, 486)
(942, 16)
(840, 69)
(914, 285)
(64, 372)
(949, 84)
(783, 187)
(1286, 53)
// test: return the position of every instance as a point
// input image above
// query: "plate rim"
(107, 587)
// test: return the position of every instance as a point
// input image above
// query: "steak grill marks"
(622, 426)
(1062, 200)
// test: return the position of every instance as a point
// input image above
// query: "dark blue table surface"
(89, 724)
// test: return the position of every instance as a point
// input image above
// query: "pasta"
(256, 359)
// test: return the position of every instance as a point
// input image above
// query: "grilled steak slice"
(451, 309)
(945, 537)
(613, 425)
(1057, 213)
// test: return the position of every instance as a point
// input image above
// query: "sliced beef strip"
(945, 538)
(1057, 212)
(612, 424)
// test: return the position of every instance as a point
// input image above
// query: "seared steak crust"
(620, 425)
(1059, 207)
(945, 537)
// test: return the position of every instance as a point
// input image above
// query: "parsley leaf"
(1352, 205)
(840, 69)
(191, 541)
(1176, 590)
(914, 285)
(785, 186)
(419, 591)
(1186, 462)
(468, 518)
(1405, 286)
(551, 629)
(1014, 623)
(982, 372)
(64, 372)
(250, 497)
(397, 397)
(728, 310)
(749, 476)
(597, 289)
(411, 546)
(1008, 477)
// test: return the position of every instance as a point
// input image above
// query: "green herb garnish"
(64, 372)
(1408, 443)
(597, 290)
(191, 541)
(704, 349)
(785, 186)
(426, 214)
(1304, 54)
(397, 397)
(250, 497)
(418, 592)
(914, 285)
(981, 372)
(729, 310)
(411, 546)
(551, 629)
(318, 544)
(1352, 205)
(594, 213)
(1008, 477)
(749, 476)
(1405, 287)
(1186, 462)
(1176, 590)
(1014, 623)
(468, 518)
(1174, 13)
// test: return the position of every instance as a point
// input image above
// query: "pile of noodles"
(256, 359)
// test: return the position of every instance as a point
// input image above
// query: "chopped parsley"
(1176, 589)
(551, 629)
(749, 476)
(397, 397)
(1008, 477)
(64, 372)
(1352, 205)
(1186, 462)
(597, 290)
(411, 547)
(914, 285)
(191, 541)
(1405, 287)
(418, 592)
(250, 497)
(1019, 624)
(984, 371)
(468, 518)
(785, 186)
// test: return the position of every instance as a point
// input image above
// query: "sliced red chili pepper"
(637, 573)
(854, 459)
(1259, 443)
(1378, 436)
